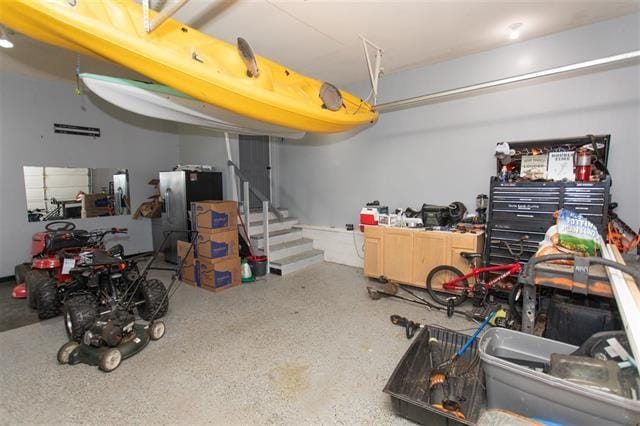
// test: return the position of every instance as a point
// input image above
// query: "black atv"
(103, 281)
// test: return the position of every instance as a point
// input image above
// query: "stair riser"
(290, 251)
(277, 226)
(292, 267)
(277, 239)
(258, 216)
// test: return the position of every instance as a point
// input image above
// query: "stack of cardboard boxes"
(215, 265)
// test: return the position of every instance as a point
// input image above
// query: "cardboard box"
(188, 275)
(94, 205)
(188, 272)
(214, 216)
(217, 245)
(218, 275)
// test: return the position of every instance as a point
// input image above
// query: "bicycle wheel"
(443, 274)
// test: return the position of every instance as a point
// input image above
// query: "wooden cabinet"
(373, 261)
(430, 250)
(399, 246)
(408, 255)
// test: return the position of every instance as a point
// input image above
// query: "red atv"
(54, 253)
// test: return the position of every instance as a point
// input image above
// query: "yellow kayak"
(205, 68)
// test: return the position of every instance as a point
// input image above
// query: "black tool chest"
(526, 208)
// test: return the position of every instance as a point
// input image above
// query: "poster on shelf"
(534, 167)
(560, 166)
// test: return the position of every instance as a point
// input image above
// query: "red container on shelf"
(369, 215)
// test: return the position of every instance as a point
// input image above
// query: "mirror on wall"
(60, 193)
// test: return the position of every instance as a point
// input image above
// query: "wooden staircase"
(288, 250)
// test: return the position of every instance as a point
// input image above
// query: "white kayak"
(158, 101)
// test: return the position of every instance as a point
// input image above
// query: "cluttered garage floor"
(311, 345)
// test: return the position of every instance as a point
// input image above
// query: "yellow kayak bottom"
(191, 62)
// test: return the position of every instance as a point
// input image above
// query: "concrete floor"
(14, 313)
(310, 347)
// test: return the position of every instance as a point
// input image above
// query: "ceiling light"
(4, 39)
(514, 30)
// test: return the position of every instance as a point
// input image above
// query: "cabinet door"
(468, 243)
(430, 249)
(397, 256)
(373, 257)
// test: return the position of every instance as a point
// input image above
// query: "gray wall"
(28, 109)
(444, 152)
(207, 147)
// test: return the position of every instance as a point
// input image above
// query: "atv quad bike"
(45, 245)
(49, 250)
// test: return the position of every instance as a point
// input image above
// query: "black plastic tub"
(409, 383)
(258, 265)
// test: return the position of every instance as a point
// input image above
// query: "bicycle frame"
(510, 269)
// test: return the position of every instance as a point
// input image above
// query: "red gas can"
(583, 165)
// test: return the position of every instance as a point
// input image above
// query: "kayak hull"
(156, 101)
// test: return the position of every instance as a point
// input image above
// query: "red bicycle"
(448, 285)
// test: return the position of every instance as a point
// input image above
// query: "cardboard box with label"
(214, 216)
(188, 272)
(218, 275)
(217, 245)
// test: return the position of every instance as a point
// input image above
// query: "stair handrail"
(263, 198)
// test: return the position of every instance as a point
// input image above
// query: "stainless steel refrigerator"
(178, 190)
(121, 193)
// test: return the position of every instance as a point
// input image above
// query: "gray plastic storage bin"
(536, 394)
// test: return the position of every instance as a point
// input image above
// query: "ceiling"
(321, 37)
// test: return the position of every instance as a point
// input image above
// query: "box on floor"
(188, 272)
(217, 275)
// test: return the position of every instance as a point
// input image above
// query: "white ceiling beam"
(468, 90)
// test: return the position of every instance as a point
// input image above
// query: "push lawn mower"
(100, 282)
(111, 333)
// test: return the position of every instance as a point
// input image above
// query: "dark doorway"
(255, 165)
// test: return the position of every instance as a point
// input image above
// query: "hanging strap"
(78, 91)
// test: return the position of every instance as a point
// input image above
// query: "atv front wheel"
(20, 271)
(155, 300)
(48, 303)
(81, 299)
(33, 281)
(78, 318)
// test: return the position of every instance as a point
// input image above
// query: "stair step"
(296, 262)
(256, 215)
(277, 237)
(289, 248)
(274, 225)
